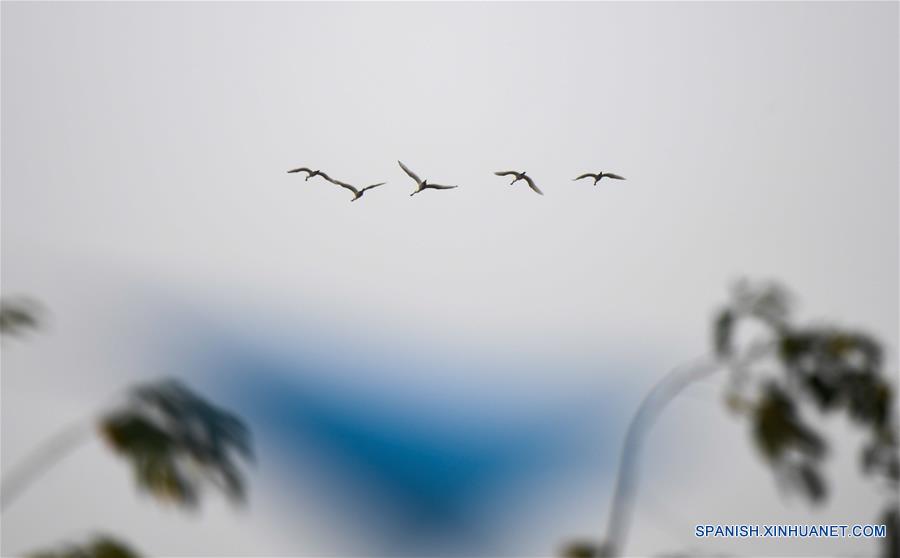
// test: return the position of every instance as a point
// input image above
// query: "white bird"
(422, 184)
(599, 175)
(357, 193)
(520, 176)
(310, 173)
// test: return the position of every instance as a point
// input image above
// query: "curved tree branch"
(626, 481)
(659, 396)
(42, 458)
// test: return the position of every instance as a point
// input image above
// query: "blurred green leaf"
(768, 302)
(811, 482)
(830, 368)
(722, 332)
(18, 315)
(177, 441)
(778, 428)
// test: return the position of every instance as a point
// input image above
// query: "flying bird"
(422, 184)
(310, 173)
(357, 193)
(599, 175)
(520, 176)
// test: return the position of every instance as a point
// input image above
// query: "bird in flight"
(310, 173)
(422, 184)
(357, 193)
(520, 176)
(599, 175)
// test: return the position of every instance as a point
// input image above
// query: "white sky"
(145, 146)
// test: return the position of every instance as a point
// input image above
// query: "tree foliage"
(776, 382)
(18, 315)
(177, 442)
(820, 368)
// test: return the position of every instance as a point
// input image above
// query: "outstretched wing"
(506, 173)
(301, 169)
(372, 186)
(586, 175)
(611, 175)
(439, 187)
(532, 185)
(342, 184)
(410, 173)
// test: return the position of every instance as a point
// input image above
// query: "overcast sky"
(144, 192)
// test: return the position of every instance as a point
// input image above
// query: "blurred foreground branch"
(174, 440)
(831, 368)
(46, 455)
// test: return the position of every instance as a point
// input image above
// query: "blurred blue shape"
(436, 473)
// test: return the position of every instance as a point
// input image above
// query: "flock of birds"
(425, 185)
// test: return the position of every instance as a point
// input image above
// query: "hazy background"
(449, 373)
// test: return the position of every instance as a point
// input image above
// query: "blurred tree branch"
(827, 368)
(834, 369)
(50, 452)
(175, 441)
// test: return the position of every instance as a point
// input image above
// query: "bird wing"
(532, 185)
(439, 187)
(301, 169)
(586, 175)
(372, 186)
(506, 173)
(410, 173)
(342, 184)
(615, 176)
